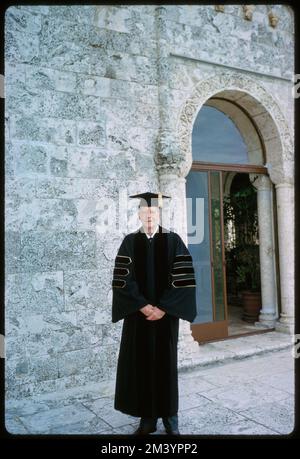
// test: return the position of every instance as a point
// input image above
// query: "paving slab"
(278, 415)
(243, 396)
(46, 421)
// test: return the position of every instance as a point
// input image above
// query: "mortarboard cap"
(150, 199)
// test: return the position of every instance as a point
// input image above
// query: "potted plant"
(248, 280)
(240, 215)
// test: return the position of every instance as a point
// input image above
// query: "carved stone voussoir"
(236, 82)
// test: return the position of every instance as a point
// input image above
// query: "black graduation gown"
(160, 273)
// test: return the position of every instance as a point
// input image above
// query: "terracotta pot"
(251, 306)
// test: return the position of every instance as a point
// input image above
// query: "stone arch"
(244, 124)
(255, 100)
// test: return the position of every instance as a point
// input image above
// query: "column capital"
(169, 159)
(284, 185)
(260, 181)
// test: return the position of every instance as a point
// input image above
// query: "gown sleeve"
(126, 297)
(179, 299)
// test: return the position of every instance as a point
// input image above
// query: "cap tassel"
(160, 200)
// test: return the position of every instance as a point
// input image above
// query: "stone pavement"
(241, 393)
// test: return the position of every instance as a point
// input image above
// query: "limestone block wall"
(81, 122)
(83, 108)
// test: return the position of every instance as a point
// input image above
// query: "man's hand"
(147, 310)
(156, 314)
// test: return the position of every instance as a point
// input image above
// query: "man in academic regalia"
(153, 287)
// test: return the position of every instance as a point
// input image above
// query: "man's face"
(149, 217)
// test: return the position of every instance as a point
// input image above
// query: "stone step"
(236, 348)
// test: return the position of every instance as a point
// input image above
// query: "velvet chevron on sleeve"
(179, 299)
(127, 298)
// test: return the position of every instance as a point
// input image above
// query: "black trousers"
(170, 422)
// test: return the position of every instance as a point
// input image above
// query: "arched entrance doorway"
(174, 160)
(223, 235)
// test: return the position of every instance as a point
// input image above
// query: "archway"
(273, 137)
(224, 258)
(252, 98)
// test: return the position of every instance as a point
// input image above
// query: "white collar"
(148, 236)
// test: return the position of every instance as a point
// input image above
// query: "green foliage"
(240, 208)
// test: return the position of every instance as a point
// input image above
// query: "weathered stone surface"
(22, 100)
(278, 416)
(53, 104)
(12, 251)
(111, 417)
(44, 78)
(73, 362)
(91, 134)
(37, 215)
(44, 369)
(30, 159)
(244, 396)
(14, 426)
(54, 27)
(52, 250)
(89, 189)
(70, 106)
(20, 187)
(86, 161)
(54, 188)
(74, 13)
(9, 165)
(110, 336)
(94, 86)
(83, 289)
(14, 49)
(113, 18)
(96, 316)
(39, 422)
(123, 66)
(91, 213)
(14, 73)
(41, 323)
(34, 293)
(17, 19)
(58, 335)
(58, 132)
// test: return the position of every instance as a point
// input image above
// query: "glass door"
(206, 245)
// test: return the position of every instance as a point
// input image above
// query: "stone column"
(268, 312)
(286, 242)
(174, 186)
(174, 215)
(170, 165)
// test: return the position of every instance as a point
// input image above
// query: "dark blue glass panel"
(199, 242)
(216, 139)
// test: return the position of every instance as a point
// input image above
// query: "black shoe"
(144, 430)
(147, 426)
(172, 432)
(171, 425)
